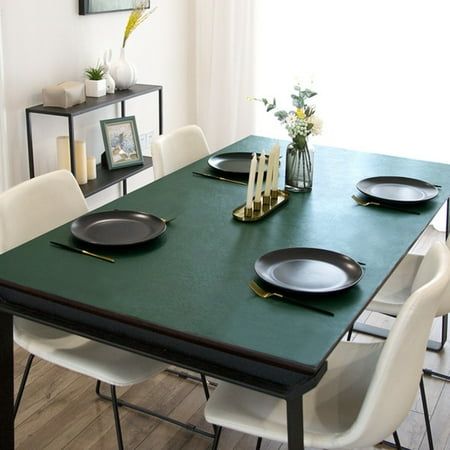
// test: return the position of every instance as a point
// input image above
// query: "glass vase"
(299, 167)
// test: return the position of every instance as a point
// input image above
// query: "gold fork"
(362, 202)
(260, 292)
(166, 221)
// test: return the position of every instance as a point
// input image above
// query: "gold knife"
(83, 252)
(219, 178)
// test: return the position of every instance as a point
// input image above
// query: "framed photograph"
(121, 139)
(102, 6)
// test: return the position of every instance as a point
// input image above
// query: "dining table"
(184, 297)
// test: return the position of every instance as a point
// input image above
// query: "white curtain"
(3, 149)
(224, 69)
(380, 69)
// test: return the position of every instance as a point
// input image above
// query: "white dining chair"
(393, 294)
(26, 211)
(171, 152)
(367, 390)
(175, 150)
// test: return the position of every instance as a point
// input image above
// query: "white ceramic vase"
(110, 83)
(123, 72)
(95, 88)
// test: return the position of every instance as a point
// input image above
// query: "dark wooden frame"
(85, 8)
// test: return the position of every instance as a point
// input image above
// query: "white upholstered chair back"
(393, 388)
(28, 210)
(175, 150)
(38, 205)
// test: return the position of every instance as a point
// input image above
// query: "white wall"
(46, 42)
(4, 174)
(380, 67)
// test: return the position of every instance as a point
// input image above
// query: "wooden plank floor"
(60, 409)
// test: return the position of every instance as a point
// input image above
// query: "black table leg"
(294, 409)
(7, 382)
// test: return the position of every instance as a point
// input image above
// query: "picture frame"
(122, 145)
(103, 6)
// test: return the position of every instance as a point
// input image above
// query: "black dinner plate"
(237, 162)
(399, 190)
(117, 228)
(308, 270)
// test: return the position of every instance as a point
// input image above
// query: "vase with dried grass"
(123, 72)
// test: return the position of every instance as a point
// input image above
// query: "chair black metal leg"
(22, 383)
(215, 444)
(397, 440)
(444, 330)
(258, 443)
(349, 333)
(396, 444)
(116, 418)
(187, 376)
(206, 391)
(205, 386)
(432, 373)
(444, 333)
(434, 346)
(97, 388)
(186, 426)
(426, 414)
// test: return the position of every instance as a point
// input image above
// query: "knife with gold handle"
(215, 177)
(83, 252)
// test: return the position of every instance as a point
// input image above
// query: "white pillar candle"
(91, 168)
(260, 177)
(80, 162)
(276, 167)
(63, 152)
(269, 174)
(251, 182)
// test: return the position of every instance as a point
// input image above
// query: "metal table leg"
(7, 382)
(294, 410)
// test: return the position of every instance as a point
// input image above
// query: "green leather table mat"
(194, 279)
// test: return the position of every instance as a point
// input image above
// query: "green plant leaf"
(95, 73)
(298, 102)
(281, 115)
(308, 93)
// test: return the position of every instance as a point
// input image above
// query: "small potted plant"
(95, 83)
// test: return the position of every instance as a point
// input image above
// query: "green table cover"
(195, 277)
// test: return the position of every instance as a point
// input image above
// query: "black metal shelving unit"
(105, 178)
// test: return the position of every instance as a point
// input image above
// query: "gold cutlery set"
(83, 252)
(215, 177)
(260, 292)
(363, 202)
